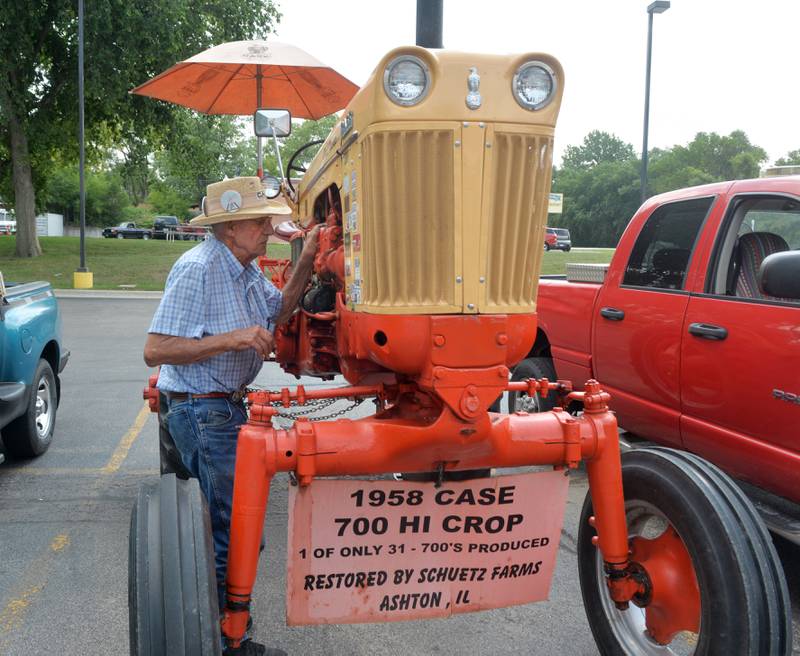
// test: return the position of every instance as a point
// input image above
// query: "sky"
(717, 66)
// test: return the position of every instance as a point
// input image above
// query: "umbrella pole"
(259, 150)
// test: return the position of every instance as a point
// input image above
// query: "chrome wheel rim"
(525, 403)
(628, 626)
(45, 408)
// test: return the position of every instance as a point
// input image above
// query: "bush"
(141, 216)
(165, 200)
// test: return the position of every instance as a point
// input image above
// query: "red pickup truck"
(691, 329)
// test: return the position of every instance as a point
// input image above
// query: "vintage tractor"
(432, 193)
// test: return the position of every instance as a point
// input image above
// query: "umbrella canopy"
(241, 76)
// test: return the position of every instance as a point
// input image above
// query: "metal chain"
(296, 410)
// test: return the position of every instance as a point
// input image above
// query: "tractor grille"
(518, 211)
(453, 219)
(408, 221)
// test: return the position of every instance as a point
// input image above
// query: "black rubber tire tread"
(771, 581)
(172, 590)
(743, 591)
(20, 437)
(533, 368)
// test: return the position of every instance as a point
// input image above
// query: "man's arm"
(301, 273)
(168, 349)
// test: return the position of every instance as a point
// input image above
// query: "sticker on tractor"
(383, 551)
(356, 242)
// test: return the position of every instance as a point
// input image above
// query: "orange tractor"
(432, 193)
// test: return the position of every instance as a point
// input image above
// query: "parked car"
(169, 226)
(31, 359)
(693, 330)
(126, 230)
(557, 238)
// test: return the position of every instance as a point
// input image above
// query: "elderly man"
(211, 333)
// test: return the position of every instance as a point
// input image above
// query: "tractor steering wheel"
(291, 166)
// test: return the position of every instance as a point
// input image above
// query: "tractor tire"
(172, 588)
(532, 368)
(722, 588)
(30, 435)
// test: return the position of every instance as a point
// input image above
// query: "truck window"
(755, 228)
(660, 256)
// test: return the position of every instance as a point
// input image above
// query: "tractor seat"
(751, 249)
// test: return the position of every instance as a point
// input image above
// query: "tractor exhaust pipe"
(429, 23)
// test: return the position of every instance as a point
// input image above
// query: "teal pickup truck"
(31, 359)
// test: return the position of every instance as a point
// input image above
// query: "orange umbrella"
(241, 76)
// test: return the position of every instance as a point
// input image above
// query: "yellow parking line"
(127, 441)
(38, 571)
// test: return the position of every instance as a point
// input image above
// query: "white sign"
(384, 551)
(555, 204)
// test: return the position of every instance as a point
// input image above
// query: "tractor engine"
(433, 211)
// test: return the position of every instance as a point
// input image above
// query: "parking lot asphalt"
(64, 522)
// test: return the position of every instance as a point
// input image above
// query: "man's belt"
(233, 397)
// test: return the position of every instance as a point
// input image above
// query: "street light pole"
(657, 7)
(81, 278)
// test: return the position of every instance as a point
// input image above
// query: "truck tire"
(30, 435)
(532, 368)
(546, 246)
(145, 236)
(172, 588)
(692, 529)
(120, 235)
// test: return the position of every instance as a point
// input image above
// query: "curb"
(107, 294)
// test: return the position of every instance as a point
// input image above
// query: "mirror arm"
(277, 150)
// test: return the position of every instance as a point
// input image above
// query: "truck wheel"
(172, 588)
(532, 368)
(546, 246)
(145, 237)
(120, 235)
(567, 249)
(30, 435)
(717, 584)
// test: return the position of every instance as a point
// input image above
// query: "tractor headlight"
(534, 85)
(406, 80)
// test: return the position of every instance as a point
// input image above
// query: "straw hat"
(236, 199)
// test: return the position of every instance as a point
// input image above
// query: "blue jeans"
(205, 432)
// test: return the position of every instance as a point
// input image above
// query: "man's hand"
(311, 241)
(254, 337)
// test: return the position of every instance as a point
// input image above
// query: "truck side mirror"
(779, 274)
(272, 122)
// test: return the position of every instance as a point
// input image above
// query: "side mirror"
(272, 122)
(779, 274)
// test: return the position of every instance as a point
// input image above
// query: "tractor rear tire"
(744, 605)
(172, 588)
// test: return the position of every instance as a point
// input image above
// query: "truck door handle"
(708, 331)
(612, 314)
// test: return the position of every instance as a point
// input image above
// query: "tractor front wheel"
(714, 584)
(172, 588)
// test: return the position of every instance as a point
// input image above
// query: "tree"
(125, 44)
(597, 147)
(303, 132)
(793, 157)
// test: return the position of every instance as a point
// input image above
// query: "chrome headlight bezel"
(525, 104)
(387, 74)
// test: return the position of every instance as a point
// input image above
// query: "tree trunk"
(24, 195)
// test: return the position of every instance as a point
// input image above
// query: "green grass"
(113, 262)
(145, 264)
(554, 262)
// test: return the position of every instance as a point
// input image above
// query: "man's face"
(250, 236)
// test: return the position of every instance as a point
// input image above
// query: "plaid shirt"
(209, 292)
